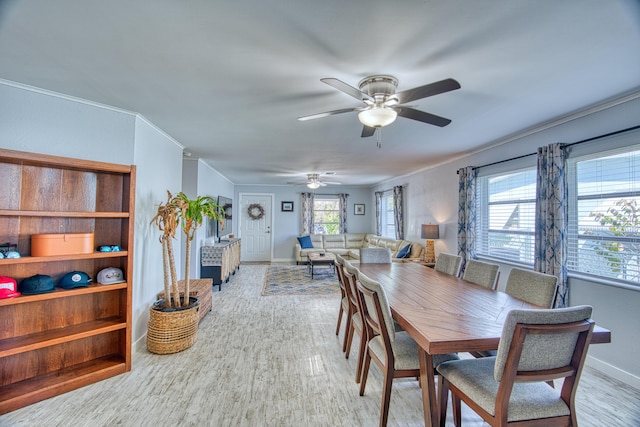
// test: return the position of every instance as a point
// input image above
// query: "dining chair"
(375, 255)
(536, 346)
(532, 286)
(344, 300)
(357, 323)
(482, 273)
(448, 264)
(395, 353)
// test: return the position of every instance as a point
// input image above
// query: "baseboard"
(614, 372)
(140, 343)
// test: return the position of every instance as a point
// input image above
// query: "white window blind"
(604, 214)
(506, 207)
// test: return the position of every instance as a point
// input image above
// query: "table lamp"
(430, 232)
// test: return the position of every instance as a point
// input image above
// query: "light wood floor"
(271, 361)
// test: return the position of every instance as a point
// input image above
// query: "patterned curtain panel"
(378, 195)
(398, 211)
(552, 217)
(342, 199)
(307, 213)
(467, 178)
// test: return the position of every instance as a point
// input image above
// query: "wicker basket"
(173, 331)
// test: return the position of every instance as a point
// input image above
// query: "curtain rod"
(564, 145)
(326, 194)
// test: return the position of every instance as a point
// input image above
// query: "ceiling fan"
(383, 104)
(314, 182)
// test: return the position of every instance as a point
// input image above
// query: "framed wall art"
(286, 207)
(358, 209)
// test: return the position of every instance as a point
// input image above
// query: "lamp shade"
(430, 231)
(376, 117)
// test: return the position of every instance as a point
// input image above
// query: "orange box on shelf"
(61, 244)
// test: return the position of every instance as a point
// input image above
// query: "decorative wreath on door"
(255, 211)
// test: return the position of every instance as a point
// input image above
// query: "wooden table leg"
(428, 383)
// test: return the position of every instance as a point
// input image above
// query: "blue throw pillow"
(404, 252)
(305, 242)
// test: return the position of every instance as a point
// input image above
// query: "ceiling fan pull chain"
(379, 137)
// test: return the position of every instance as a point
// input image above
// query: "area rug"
(296, 280)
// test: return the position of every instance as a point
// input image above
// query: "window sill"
(604, 281)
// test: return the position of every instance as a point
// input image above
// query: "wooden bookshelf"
(55, 342)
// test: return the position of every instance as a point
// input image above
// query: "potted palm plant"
(174, 313)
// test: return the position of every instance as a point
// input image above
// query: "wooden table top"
(446, 314)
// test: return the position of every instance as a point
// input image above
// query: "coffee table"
(321, 258)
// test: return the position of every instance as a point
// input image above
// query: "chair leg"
(349, 340)
(386, 396)
(339, 318)
(365, 372)
(455, 406)
(443, 397)
(347, 331)
(361, 351)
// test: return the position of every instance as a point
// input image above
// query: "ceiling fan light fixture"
(377, 117)
(313, 185)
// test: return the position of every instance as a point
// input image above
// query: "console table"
(220, 261)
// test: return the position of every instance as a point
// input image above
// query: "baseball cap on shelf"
(110, 276)
(74, 279)
(8, 283)
(8, 293)
(38, 284)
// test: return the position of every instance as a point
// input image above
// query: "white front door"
(255, 229)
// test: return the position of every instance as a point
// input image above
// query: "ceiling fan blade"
(421, 116)
(348, 89)
(367, 131)
(331, 183)
(431, 89)
(328, 113)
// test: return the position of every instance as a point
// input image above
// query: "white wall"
(158, 159)
(288, 225)
(200, 179)
(432, 195)
(44, 122)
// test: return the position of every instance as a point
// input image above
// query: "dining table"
(446, 314)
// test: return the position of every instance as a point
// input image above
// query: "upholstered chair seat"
(536, 346)
(395, 353)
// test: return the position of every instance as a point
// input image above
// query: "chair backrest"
(539, 345)
(350, 278)
(375, 255)
(533, 287)
(339, 265)
(481, 273)
(376, 311)
(448, 264)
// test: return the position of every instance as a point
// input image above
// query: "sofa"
(348, 246)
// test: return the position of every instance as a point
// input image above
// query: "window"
(326, 215)
(387, 216)
(506, 208)
(604, 214)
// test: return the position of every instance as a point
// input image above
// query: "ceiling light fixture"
(313, 185)
(377, 116)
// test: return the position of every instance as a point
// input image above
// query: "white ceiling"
(227, 79)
